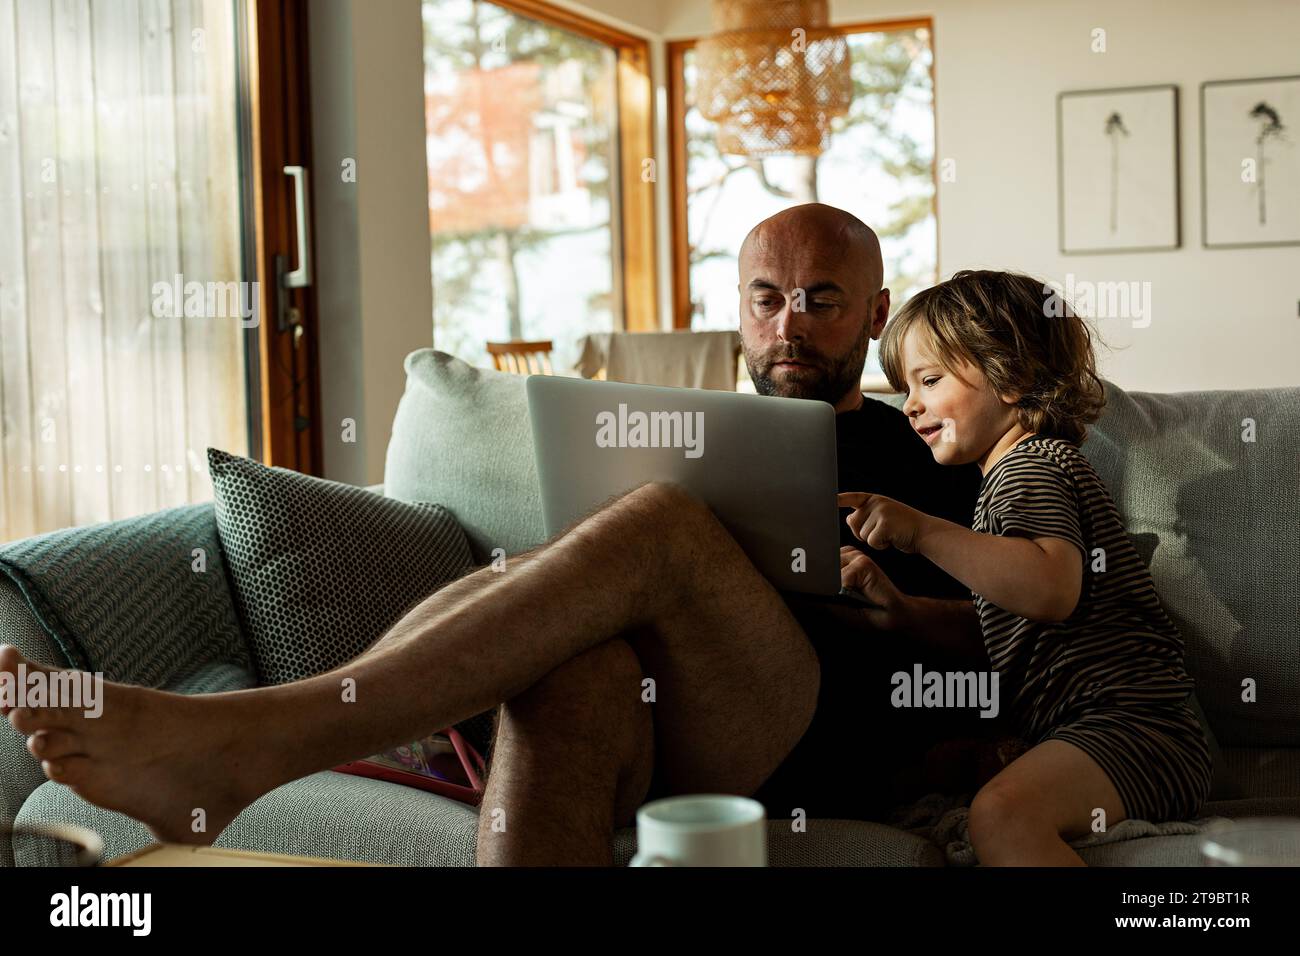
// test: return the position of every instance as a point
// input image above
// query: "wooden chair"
(522, 358)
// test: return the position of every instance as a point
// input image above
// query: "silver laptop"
(766, 466)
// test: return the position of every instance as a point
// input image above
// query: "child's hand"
(882, 522)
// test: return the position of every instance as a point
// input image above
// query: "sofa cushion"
(342, 817)
(321, 570)
(327, 814)
(461, 437)
(1185, 849)
(1208, 485)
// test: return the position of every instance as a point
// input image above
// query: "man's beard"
(827, 381)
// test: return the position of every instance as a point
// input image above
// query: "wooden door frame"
(283, 377)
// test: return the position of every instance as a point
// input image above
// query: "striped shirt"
(1118, 647)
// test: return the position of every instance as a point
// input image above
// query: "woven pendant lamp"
(772, 76)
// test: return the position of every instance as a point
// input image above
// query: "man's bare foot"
(181, 765)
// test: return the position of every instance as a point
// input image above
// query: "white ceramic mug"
(701, 830)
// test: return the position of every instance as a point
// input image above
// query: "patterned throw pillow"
(321, 570)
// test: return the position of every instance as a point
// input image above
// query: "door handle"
(301, 276)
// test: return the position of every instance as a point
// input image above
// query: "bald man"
(811, 299)
(651, 585)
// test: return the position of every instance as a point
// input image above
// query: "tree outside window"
(521, 124)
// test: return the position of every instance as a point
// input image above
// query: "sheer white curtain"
(119, 185)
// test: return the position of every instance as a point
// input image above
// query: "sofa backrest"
(461, 439)
(1208, 484)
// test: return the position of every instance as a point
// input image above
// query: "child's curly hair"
(1020, 333)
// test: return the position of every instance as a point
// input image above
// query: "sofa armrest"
(20, 772)
(143, 601)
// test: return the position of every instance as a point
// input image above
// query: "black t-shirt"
(880, 453)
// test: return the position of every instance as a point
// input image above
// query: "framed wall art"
(1250, 162)
(1118, 179)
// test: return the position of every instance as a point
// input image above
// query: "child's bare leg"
(1026, 814)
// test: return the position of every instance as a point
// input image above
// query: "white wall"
(372, 235)
(338, 261)
(1219, 318)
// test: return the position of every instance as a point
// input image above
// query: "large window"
(533, 232)
(880, 167)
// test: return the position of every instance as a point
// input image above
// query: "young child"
(1000, 372)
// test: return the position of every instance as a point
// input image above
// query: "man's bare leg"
(572, 760)
(736, 675)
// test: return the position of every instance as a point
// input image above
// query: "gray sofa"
(1215, 515)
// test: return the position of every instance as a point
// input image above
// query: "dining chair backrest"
(522, 358)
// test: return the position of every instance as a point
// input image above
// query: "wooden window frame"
(634, 257)
(676, 89)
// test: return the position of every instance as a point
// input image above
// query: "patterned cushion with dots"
(321, 570)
